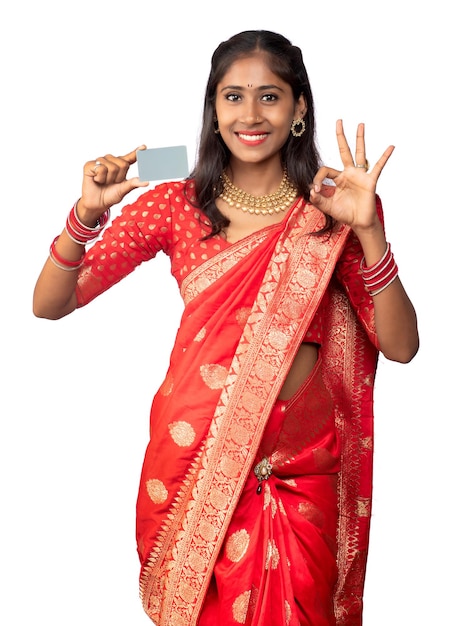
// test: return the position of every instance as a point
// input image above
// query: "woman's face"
(255, 109)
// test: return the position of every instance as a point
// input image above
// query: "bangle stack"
(381, 274)
(64, 264)
(79, 232)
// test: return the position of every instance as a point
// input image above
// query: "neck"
(258, 179)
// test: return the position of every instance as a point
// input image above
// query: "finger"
(116, 169)
(344, 150)
(321, 200)
(123, 163)
(378, 168)
(360, 155)
(324, 172)
(96, 170)
(131, 156)
(128, 185)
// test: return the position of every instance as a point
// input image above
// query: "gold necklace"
(259, 205)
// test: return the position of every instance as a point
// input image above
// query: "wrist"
(82, 233)
(381, 274)
(85, 217)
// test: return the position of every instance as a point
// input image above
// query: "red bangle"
(381, 274)
(79, 232)
(60, 261)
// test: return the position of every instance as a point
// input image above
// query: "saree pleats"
(278, 562)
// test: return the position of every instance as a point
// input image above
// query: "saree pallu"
(247, 311)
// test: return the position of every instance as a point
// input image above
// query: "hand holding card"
(157, 164)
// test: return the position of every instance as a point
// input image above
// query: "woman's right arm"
(104, 184)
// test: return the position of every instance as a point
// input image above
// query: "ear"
(300, 107)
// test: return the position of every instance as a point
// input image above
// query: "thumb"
(124, 188)
(131, 156)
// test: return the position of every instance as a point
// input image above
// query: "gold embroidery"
(240, 607)
(182, 433)
(312, 513)
(206, 530)
(282, 508)
(211, 270)
(277, 339)
(292, 309)
(200, 336)
(364, 507)
(288, 612)
(237, 545)
(157, 491)
(242, 316)
(269, 500)
(196, 562)
(186, 592)
(267, 497)
(272, 555)
(218, 499)
(229, 467)
(214, 376)
(239, 434)
(251, 402)
(265, 371)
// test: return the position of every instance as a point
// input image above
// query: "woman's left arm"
(354, 204)
(395, 316)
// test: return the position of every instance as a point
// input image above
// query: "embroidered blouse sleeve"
(349, 275)
(141, 231)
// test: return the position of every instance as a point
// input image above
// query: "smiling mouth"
(252, 137)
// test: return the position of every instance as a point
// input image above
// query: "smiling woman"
(255, 494)
(254, 122)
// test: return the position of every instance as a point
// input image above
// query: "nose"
(250, 113)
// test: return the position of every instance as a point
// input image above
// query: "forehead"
(254, 69)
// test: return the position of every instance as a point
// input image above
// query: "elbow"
(49, 313)
(403, 353)
(46, 315)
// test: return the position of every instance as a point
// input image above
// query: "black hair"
(300, 155)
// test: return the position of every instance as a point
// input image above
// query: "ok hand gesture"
(353, 201)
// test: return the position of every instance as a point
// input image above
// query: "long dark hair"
(300, 155)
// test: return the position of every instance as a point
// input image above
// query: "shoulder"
(163, 200)
(171, 192)
(169, 206)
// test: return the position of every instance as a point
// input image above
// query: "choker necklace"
(259, 205)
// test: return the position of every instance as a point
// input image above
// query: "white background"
(85, 78)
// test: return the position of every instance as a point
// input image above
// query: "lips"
(252, 138)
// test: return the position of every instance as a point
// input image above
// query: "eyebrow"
(261, 88)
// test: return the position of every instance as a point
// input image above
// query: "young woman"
(255, 494)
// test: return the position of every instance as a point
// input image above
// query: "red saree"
(212, 550)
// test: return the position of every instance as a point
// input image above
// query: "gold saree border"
(351, 360)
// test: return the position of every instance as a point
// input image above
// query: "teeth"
(252, 137)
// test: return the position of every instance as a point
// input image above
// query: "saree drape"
(247, 310)
(211, 549)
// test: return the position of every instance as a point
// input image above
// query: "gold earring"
(216, 126)
(298, 127)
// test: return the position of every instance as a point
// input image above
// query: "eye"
(232, 97)
(269, 97)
